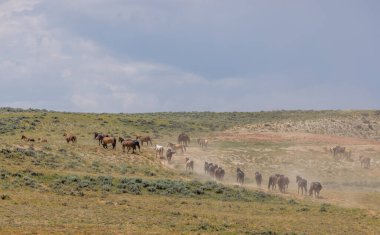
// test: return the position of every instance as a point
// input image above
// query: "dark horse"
(302, 184)
(258, 178)
(183, 139)
(169, 154)
(23, 137)
(239, 176)
(100, 137)
(272, 181)
(283, 183)
(315, 188)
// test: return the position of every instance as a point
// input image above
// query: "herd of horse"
(214, 170)
(279, 180)
(211, 169)
(340, 152)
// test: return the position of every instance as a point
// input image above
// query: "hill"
(59, 187)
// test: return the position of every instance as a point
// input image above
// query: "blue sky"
(176, 55)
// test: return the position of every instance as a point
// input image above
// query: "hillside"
(59, 187)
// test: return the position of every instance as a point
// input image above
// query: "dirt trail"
(239, 156)
(296, 137)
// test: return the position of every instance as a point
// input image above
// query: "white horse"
(159, 150)
(203, 143)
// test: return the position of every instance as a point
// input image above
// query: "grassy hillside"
(57, 187)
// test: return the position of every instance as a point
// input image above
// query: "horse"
(272, 181)
(219, 173)
(159, 150)
(121, 139)
(130, 144)
(202, 142)
(42, 140)
(109, 140)
(169, 154)
(302, 184)
(211, 169)
(23, 137)
(146, 139)
(258, 178)
(239, 176)
(100, 137)
(315, 188)
(347, 155)
(365, 162)
(183, 139)
(282, 182)
(206, 167)
(189, 164)
(175, 147)
(70, 137)
(338, 150)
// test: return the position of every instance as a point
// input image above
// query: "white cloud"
(47, 65)
(88, 78)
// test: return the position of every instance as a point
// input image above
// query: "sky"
(135, 56)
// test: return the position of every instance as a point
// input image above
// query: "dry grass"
(57, 187)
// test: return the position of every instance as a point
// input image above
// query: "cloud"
(184, 56)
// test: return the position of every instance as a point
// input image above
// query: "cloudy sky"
(194, 55)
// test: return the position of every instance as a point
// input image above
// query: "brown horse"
(70, 137)
(130, 144)
(23, 137)
(143, 139)
(109, 140)
(175, 147)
